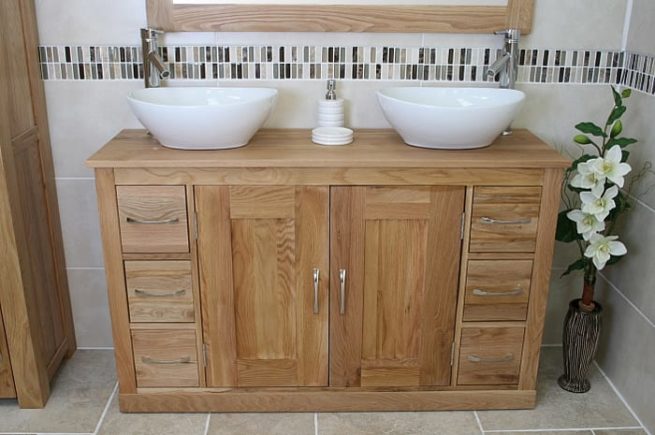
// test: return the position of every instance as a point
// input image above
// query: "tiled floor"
(84, 402)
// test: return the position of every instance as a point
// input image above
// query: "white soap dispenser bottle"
(331, 109)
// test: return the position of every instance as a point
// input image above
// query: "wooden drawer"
(497, 290)
(490, 355)
(159, 291)
(504, 219)
(153, 219)
(165, 357)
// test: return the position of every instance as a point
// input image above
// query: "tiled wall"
(85, 113)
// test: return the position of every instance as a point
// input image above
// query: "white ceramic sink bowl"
(203, 118)
(450, 118)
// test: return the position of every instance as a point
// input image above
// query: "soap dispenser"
(331, 109)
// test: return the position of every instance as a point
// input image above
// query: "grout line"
(616, 289)
(626, 25)
(573, 429)
(316, 423)
(104, 411)
(618, 393)
(206, 431)
(477, 418)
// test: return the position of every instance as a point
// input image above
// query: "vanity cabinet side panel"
(545, 243)
(114, 270)
(7, 388)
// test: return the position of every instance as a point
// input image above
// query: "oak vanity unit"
(286, 276)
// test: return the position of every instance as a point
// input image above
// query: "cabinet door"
(264, 317)
(392, 320)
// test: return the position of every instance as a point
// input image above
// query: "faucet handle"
(511, 35)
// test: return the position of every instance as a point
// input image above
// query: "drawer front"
(159, 291)
(153, 219)
(165, 358)
(497, 290)
(490, 355)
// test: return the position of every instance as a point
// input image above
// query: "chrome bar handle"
(342, 291)
(148, 360)
(514, 292)
(148, 294)
(491, 221)
(147, 222)
(478, 359)
(316, 281)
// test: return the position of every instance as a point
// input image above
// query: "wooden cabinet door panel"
(258, 248)
(400, 249)
(7, 389)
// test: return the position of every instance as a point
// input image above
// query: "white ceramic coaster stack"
(332, 136)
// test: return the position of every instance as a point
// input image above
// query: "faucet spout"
(158, 63)
(496, 67)
(154, 68)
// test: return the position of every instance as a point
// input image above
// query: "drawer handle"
(148, 360)
(477, 359)
(149, 294)
(515, 292)
(342, 291)
(146, 222)
(316, 274)
(491, 221)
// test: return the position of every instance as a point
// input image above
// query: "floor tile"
(548, 432)
(260, 424)
(558, 409)
(117, 423)
(620, 432)
(79, 395)
(400, 423)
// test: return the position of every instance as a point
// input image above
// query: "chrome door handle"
(342, 291)
(316, 281)
(478, 359)
(148, 294)
(491, 221)
(147, 222)
(148, 360)
(514, 292)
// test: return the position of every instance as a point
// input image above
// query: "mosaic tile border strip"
(640, 72)
(320, 63)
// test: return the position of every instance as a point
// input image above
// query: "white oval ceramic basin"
(203, 118)
(450, 118)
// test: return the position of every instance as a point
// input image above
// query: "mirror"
(389, 16)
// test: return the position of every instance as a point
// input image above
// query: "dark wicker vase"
(580, 339)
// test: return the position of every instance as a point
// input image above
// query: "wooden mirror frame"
(165, 15)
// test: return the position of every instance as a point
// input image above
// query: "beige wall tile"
(640, 37)
(88, 290)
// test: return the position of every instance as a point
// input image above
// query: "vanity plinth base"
(333, 401)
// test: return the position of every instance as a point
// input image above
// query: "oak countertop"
(290, 148)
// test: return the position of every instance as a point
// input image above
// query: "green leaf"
(582, 139)
(616, 114)
(618, 101)
(566, 229)
(626, 93)
(625, 155)
(621, 141)
(591, 128)
(617, 128)
(614, 260)
(577, 265)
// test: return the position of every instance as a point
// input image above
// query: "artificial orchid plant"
(593, 197)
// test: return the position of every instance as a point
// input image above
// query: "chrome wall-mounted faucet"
(154, 69)
(508, 63)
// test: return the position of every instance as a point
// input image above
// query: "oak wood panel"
(339, 18)
(159, 291)
(153, 218)
(504, 235)
(286, 148)
(541, 272)
(490, 355)
(332, 176)
(7, 388)
(487, 285)
(299, 401)
(507, 195)
(271, 283)
(115, 275)
(406, 316)
(165, 358)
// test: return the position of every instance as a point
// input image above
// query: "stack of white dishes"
(332, 136)
(330, 113)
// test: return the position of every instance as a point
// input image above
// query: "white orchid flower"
(587, 178)
(587, 224)
(610, 166)
(600, 206)
(601, 248)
